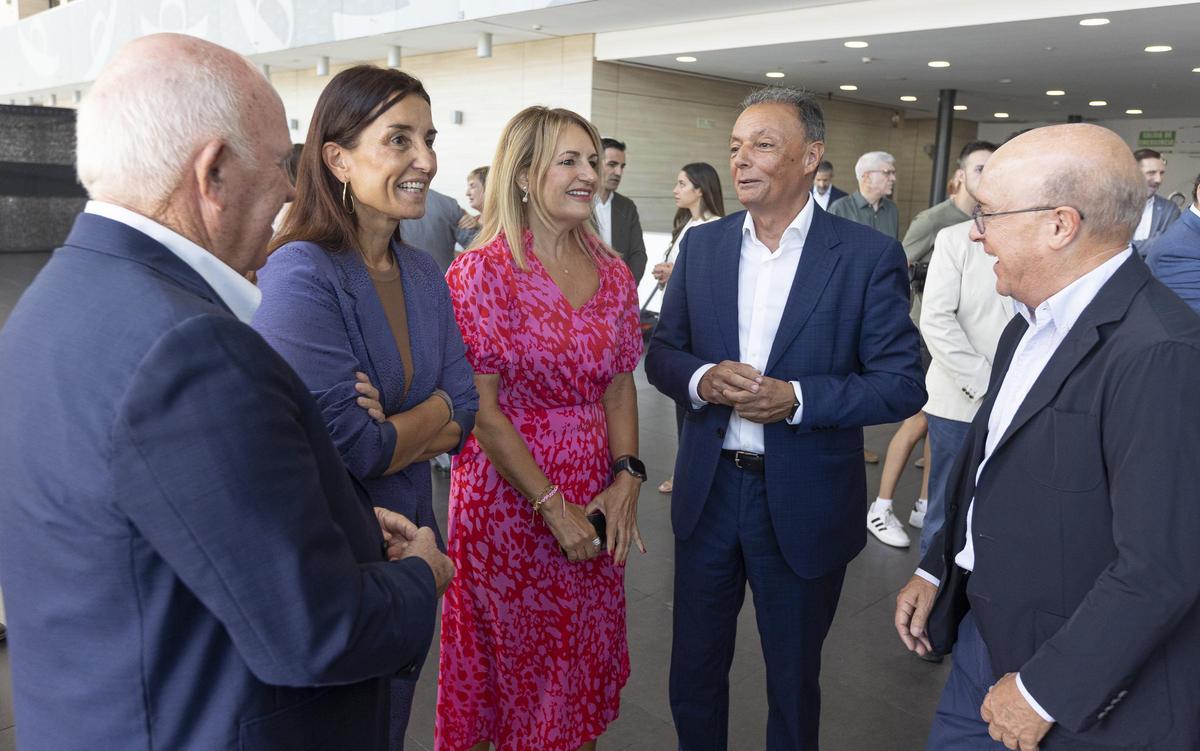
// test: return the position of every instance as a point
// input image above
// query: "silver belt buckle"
(737, 459)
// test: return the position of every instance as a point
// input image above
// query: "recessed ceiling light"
(960, 108)
(1133, 112)
(1055, 92)
(1159, 48)
(775, 74)
(938, 64)
(908, 99)
(856, 45)
(1005, 80)
(1000, 115)
(685, 59)
(848, 87)
(1094, 22)
(1097, 103)
(1196, 70)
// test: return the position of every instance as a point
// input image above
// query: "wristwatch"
(632, 465)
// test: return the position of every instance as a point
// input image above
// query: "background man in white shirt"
(1158, 213)
(1067, 577)
(617, 216)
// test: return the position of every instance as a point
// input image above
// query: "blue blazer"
(321, 312)
(185, 559)
(1087, 571)
(845, 336)
(1174, 258)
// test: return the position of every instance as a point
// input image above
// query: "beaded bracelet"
(549, 492)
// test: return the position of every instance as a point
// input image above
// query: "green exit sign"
(1148, 138)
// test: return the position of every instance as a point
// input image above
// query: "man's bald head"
(1080, 165)
(156, 102)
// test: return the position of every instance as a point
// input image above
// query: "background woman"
(533, 651)
(699, 200)
(351, 307)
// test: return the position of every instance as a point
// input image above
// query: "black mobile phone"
(596, 519)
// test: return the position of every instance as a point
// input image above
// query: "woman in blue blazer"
(363, 318)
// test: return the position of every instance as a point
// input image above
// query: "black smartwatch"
(632, 465)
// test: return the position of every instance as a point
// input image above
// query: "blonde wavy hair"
(528, 145)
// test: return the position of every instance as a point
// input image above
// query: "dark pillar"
(941, 147)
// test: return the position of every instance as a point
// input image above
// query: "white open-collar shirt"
(764, 283)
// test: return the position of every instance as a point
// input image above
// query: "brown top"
(390, 289)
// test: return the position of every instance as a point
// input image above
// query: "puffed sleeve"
(479, 290)
(628, 322)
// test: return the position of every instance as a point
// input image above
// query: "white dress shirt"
(1143, 228)
(235, 290)
(1048, 326)
(823, 200)
(603, 210)
(764, 283)
(1194, 210)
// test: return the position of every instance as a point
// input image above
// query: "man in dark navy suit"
(186, 559)
(1067, 575)
(1174, 258)
(784, 331)
(824, 191)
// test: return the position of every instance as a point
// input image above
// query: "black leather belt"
(745, 460)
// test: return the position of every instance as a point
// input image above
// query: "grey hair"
(870, 160)
(1110, 201)
(807, 109)
(139, 126)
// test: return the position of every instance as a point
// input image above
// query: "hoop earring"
(347, 198)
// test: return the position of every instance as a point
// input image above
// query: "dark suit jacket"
(835, 193)
(845, 336)
(1174, 258)
(185, 559)
(627, 235)
(321, 312)
(1163, 215)
(1087, 571)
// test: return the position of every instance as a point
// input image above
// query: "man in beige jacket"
(961, 321)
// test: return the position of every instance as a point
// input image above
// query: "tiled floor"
(876, 696)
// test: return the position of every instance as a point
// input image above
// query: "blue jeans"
(946, 438)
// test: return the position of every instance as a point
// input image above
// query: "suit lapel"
(725, 287)
(1109, 305)
(817, 262)
(379, 353)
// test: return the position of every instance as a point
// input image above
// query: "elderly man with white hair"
(188, 563)
(870, 204)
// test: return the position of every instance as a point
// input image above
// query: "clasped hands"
(403, 539)
(1011, 720)
(754, 396)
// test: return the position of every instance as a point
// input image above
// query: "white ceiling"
(1089, 63)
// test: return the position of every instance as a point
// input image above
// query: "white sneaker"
(886, 527)
(917, 517)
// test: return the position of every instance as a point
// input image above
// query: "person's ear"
(336, 160)
(813, 156)
(1068, 223)
(209, 168)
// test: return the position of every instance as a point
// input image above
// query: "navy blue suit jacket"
(835, 193)
(321, 312)
(1087, 571)
(186, 561)
(1174, 258)
(845, 335)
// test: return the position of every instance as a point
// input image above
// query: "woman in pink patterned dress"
(533, 650)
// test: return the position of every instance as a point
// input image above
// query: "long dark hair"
(704, 177)
(351, 101)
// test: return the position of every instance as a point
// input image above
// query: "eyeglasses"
(884, 172)
(978, 214)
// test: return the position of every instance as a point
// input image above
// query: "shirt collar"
(1063, 308)
(1195, 210)
(797, 230)
(235, 290)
